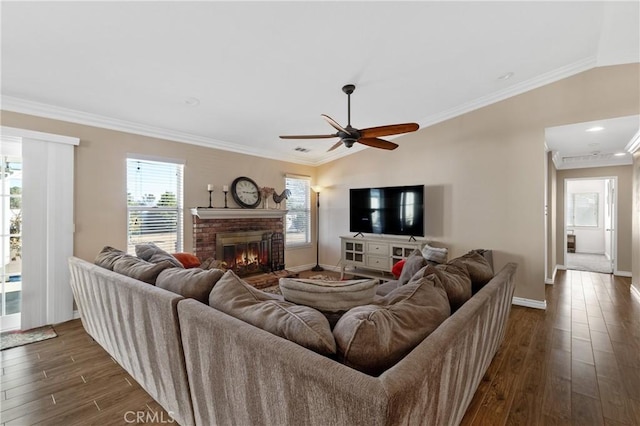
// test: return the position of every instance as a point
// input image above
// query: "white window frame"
(179, 191)
(291, 211)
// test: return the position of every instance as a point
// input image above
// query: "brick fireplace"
(248, 240)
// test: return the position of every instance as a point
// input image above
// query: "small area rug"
(12, 339)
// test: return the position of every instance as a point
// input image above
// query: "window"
(582, 209)
(154, 204)
(298, 228)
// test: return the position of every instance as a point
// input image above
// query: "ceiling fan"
(349, 135)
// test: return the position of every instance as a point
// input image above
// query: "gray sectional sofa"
(206, 367)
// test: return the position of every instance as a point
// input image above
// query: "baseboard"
(561, 268)
(76, 314)
(623, 274)
(529, 303)
(635, 292)
(552, 280)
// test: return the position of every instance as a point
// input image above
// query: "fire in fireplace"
(251, 252)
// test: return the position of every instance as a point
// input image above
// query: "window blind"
(298, 227)
(154, 204)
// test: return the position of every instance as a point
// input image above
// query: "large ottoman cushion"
(328, 296)
(374, 337)
(193, 283)
(300, 324)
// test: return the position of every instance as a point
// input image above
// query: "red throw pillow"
(188, 260)
(397, 268)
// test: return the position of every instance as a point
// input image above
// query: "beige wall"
(100, 180)
(483, 171)
(625, 192)
(636, 222)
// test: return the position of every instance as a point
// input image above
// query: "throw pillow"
(154, 254)
(187, 260)
(328, 296)
(435, 254)
(300, 324)
(413, 264)
(139, 269)
(374, 337)
(397, 268)
(479, 269)
(108, 256)
(193, 283)
(456, 282)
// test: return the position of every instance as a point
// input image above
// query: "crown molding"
(23, 106)
(516, 89)
(634, 144)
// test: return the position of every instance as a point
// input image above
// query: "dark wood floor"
(576, 363)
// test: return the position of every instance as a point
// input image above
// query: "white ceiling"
(263, 69)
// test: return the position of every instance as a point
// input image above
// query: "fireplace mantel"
(222, 213)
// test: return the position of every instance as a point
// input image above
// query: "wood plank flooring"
(578, 362)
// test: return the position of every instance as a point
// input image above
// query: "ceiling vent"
(301, 149)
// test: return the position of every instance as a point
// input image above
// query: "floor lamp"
(317, 190)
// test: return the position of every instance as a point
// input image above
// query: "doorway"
(590, 224)
(10, 234)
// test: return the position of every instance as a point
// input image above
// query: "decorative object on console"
(435, 254)
(349, 135)
(245, 192)
(317, 189)
(266, 192)
(279, 198)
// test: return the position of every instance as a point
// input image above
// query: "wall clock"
(245, 192)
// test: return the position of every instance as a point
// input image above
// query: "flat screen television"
(394, 210)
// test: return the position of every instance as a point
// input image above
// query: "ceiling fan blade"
(308, 136)
(337, 144)
(392, 129)
(378, 143)
(334, 123)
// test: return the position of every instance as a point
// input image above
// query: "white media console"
(375, 256)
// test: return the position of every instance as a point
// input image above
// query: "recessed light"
(620, 154)
(506, 76)
(192, 102)
(595, 129)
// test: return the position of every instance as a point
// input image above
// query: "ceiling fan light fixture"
(620, 154)
(595, 129)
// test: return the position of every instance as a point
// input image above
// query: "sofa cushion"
(108, 256)
(326, 295)
(194, 283)
(188, 260)
(300, 324)
(154, 254)
(435, 254)
(388, 287)
(455, 280)
(396, 270)
(413, 264)
(374, 337)
(479, 269)
(139, 269)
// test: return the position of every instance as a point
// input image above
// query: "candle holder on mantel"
(210, 192)
(225, 199)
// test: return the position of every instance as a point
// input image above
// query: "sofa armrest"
(240, 374)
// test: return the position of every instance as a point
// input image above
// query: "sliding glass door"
(10, 235)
